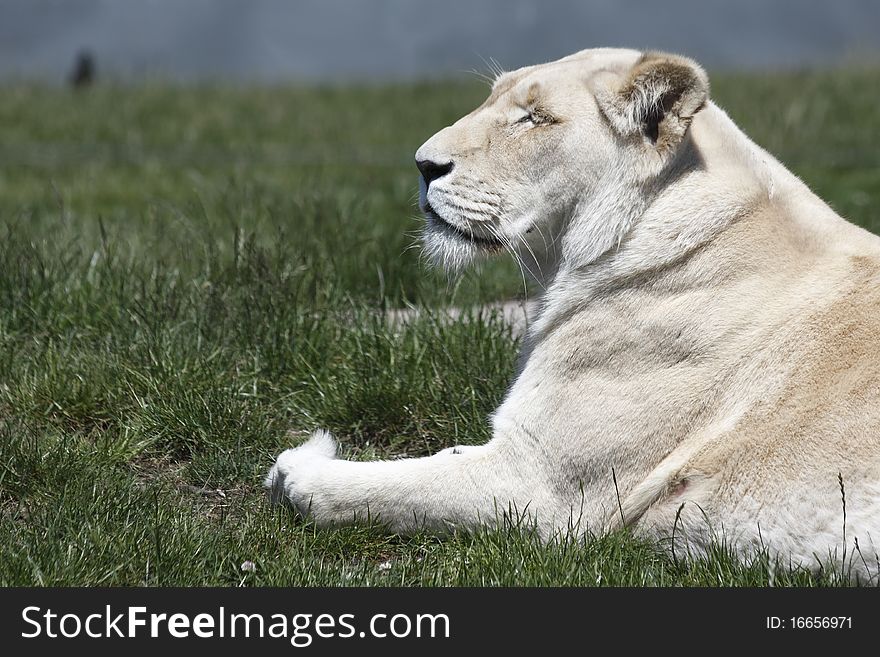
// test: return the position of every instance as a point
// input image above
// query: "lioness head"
(549, 147)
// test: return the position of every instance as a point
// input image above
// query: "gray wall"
(346, 39)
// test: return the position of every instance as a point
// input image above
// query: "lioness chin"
(702, 363)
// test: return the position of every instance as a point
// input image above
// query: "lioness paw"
(289, 478)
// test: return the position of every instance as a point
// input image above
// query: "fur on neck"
(632, 227)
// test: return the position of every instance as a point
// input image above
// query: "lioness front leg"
(461, 487)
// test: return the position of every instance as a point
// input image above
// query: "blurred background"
(343, 40)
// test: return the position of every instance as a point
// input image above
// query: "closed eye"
(536, 117)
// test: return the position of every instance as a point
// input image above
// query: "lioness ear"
(657, 100)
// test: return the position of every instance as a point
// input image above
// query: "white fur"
(686, 372)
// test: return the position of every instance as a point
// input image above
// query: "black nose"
(432, 170)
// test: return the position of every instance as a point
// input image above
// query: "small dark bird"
(83, 73)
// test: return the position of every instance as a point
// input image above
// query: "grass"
(179, 268)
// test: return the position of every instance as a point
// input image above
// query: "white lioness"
(704, 359)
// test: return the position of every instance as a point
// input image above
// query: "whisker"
(508, 246)
(535, 259)
(487, 79)
(494, 67)
(497, 69)
(543, 239)
(474, 204)
(416, 242)
(552, 245)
